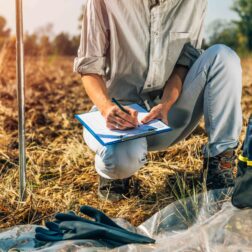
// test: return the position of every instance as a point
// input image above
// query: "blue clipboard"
(96, 125)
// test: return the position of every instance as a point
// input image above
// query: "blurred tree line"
(43, 42)
(4, 32)
(236, 34)
(61, 44)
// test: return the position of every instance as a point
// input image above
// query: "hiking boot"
(113, 189)
(218, 170)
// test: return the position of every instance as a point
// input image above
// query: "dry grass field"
(60, 171)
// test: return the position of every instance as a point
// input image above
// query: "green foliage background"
(236, 34)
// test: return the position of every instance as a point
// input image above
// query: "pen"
(123, 109)
(120, 106)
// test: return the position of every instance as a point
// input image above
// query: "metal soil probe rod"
(21, 99)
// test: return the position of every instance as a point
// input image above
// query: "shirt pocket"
(177, 40)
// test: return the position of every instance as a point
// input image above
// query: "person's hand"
(159, 111)
(116, 119)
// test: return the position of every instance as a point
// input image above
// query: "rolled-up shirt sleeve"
(192, 50)
(188, 55)
(94, 39)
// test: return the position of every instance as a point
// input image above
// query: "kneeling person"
(148, 52)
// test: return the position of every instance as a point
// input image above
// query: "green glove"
(71, 227)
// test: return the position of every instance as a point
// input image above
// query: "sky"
(64, 13)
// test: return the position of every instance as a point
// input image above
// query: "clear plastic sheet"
(207, 222)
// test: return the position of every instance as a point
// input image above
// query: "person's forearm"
(173, 86)
(115, 118)
(170, 95)
(97, 91)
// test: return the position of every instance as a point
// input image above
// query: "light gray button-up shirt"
(135, 44)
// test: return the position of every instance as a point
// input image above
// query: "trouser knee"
(122, 160)
(225, 54)
(227, 59)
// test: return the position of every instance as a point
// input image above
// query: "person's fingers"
(118, 121)
(114, 124)
(124, 122)
(112, 119)
(165, 120)
(121, 119)
(131, 116)
(165, 117)
(134, 114)
(148, 118)
(125, 116)
(151, 116)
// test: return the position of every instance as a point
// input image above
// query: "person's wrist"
(106, 107)
(166, 105)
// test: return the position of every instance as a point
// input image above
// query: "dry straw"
(60, 171)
